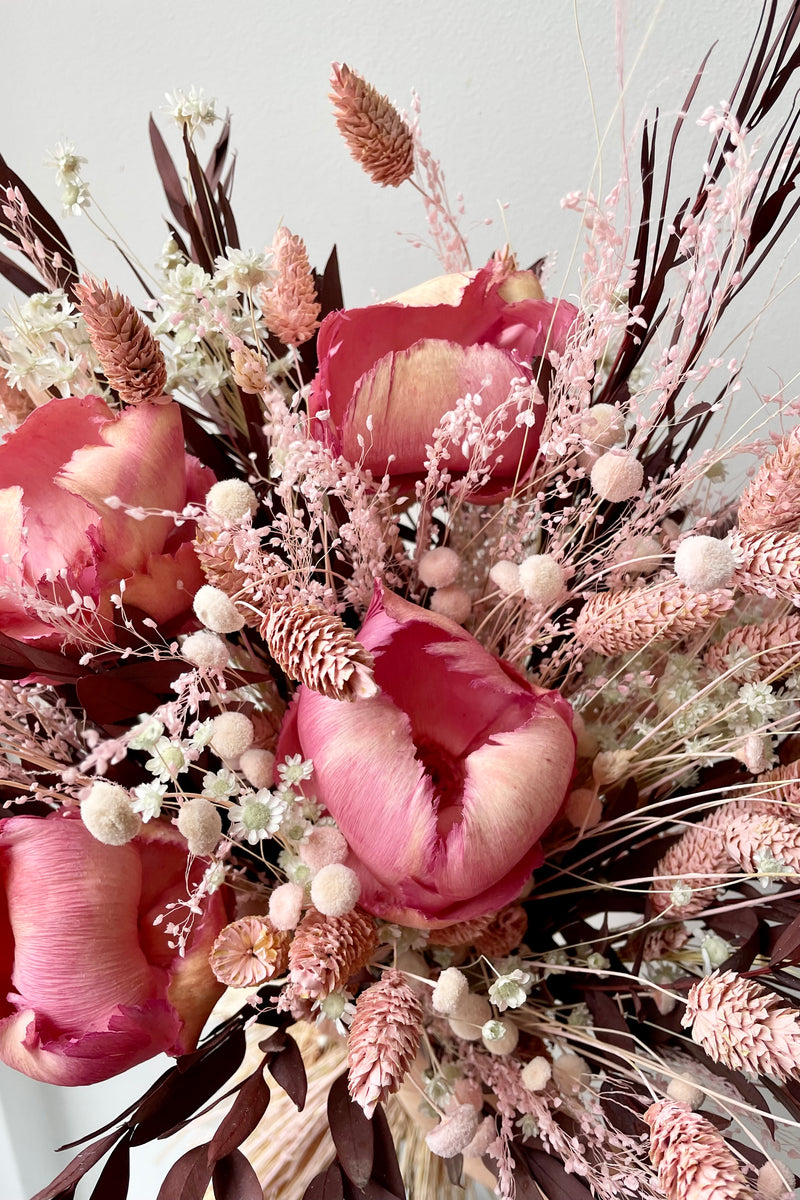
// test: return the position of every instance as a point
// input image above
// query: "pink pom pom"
(453, 602)
(439, 567)
(286, 905)
(323, 846)
(617, 476)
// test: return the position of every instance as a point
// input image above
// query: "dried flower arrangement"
(404, 680)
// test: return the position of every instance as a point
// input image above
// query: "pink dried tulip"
(772, 499)
(768, 564)
(771, 648)
(692, 1160)
(383, 1040)
(249, 951)
(326, 951)
(290, 306)
(374, 132)
(316, 648)
(744, 1026)
(615, 622)
(130, 356)
(750, 836)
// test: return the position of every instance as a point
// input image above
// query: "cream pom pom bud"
(571, 1073)
(258, 767)
(500, 1037)
(454, 1132)
(505, 576)
(216, 610)
(323, 846)
(471, 1015)
(439, 567)
(286, 905)
(683, 1089)
(536, 1074)
(450, 992)
(233, 733)
(541, 579)
(603, 425)
(107, 814)
(704, 563)
(201, 825)
(617, 476)
(231, 500)
(453, 602)
(335, 890)
(205, 650)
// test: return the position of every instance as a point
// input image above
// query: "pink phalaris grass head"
(771, 500)
(290, 306)
(692, 1160)
(768, 564)
(615, 622)
(687, 878)
(383, 1040)
(249, 951)
(130, 356)
(771, 648)
(751, 837)
(374, 132)
(744, 1026)
(326, 951)
(316, 648)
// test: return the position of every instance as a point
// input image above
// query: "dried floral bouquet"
(408, 674)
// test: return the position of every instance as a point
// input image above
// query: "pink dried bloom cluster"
(744, 1026)
(383, 1040)
(771, 501)
(615, 622)
(326, 951)
(375, 134)
(290, 306)
(770, 648)
(692, 1160)
(130, 356)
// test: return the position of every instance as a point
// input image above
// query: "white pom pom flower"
(450, 992)
(541, 579)
(233, 734)
(258, 767)
(216, 610)
(107, 814)
(505, 577)
(201, 825)
(335, 890)
(617, 476)
(536, 1074)
(231, 500)
(205, 650)
(704, 563)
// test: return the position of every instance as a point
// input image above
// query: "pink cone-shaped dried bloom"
(326, 951)
(383, 1040)
(615, 622)
(130, 356)
(772, 648)
(768, 564)
(248, 951)
(748, 837)
(90, 984)
(504, 933)
(692, 1160)
(290, 306)
(316, 648)
(249, 371)
(375, 134)
(461, 763)
(772, 499)
(744, 1026)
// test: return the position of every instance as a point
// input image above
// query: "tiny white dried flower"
(218, 785)
(66, 162)
(510, 991)
(241, 270)
(295, 769)
(148, 798)
(168, 760)
(192, 110)
(258, 815)
(147, 734)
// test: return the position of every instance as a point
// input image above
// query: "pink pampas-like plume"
(744, 1026)
(383, 1040)
(615, 622)
(290, 306)
(692, 1160)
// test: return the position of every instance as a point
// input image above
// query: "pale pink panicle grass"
(771, 648)
(692, 1160)
(130, 356)
(771, 500)
(383, 1040)
(375, 134)
(744, 1026)
(615, 622)
(290, 306)
(249, 951)
(316, 648)
(326, 951)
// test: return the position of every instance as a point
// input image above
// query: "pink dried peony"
(58, 534)
(458, 763)
(90, 984)
(405, 363)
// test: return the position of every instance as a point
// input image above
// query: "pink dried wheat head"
(326, 951)
(692, 1160)
(316, 648)
(375, 134)
(130, 356)
(744, 1026)
(383, 1040)
(290, 306)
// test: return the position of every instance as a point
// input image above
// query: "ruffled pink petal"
(14, 619)
(163, 588)
(530, 327)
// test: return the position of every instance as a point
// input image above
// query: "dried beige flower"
(375, 134)
(130, 356)
(248, 951)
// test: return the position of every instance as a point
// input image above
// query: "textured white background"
(506, 106)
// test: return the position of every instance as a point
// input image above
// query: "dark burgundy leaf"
(210, 220)
(188, 1178)
(787, 943)
(610, 1025)
(17, 659)
(183, 1092)
(200, 253)
(109, 700)
(173, 188)
(216, 163)
(243, 1117)
(19, 277)
(326, 1186)
(47, 230)
(385, 1167)
(64, 1183)
(623, 1106)
(351, 1132)
(455, 1170)
(235, 1179)
(287, 1069)
(204, 446)
(555, 1181)
(116, 1174)
(226, 212)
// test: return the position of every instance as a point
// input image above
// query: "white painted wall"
(506, 106)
